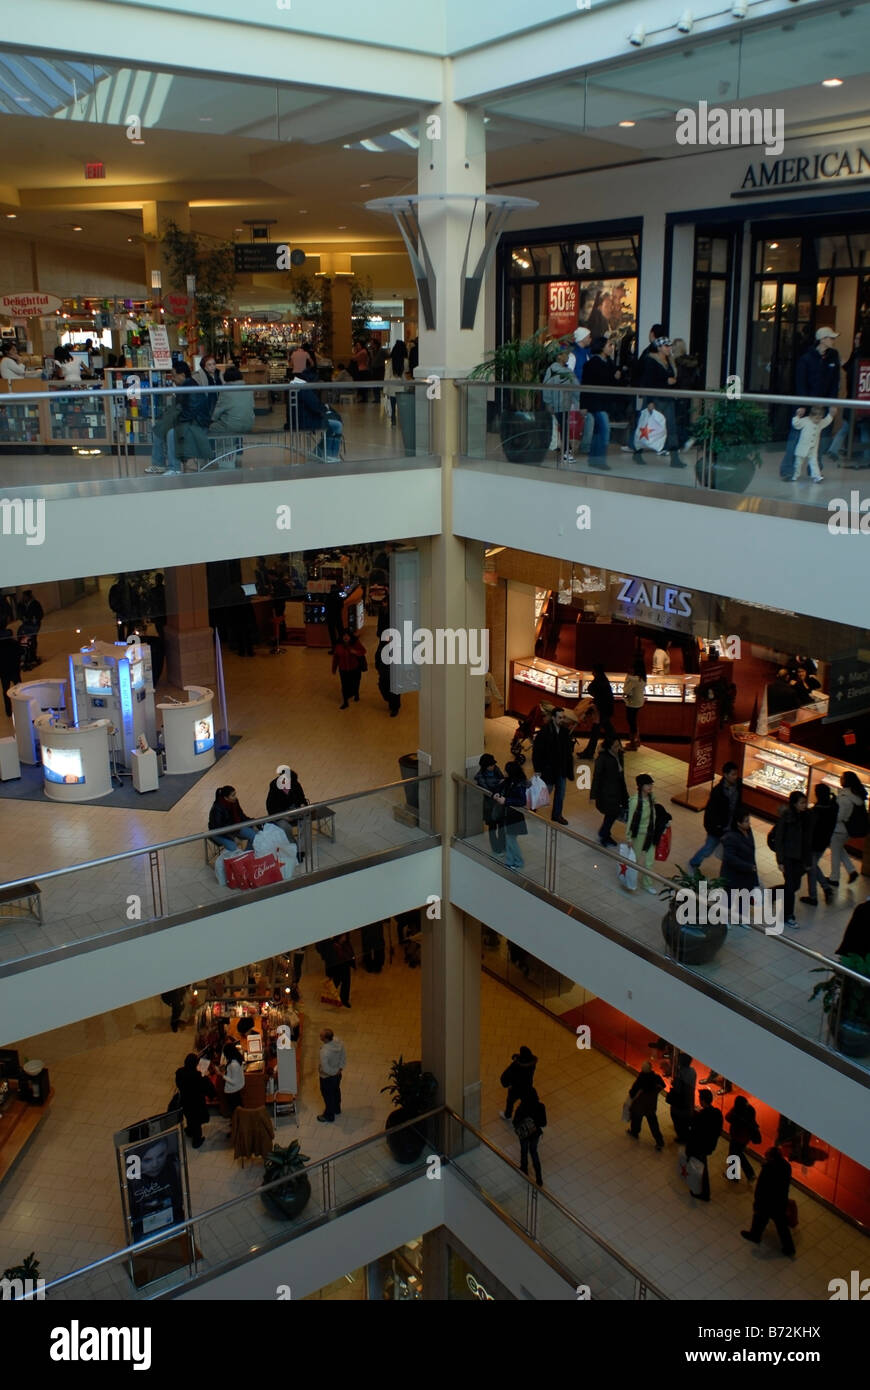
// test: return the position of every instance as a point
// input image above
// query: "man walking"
(333, 1061)
(553, 759)
(771, 1201)
(719, 813)
(817, 374)
(704, 1132)
(681, 1097)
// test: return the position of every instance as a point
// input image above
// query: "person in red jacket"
(349, 660)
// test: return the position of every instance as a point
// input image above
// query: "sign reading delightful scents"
(29, 304)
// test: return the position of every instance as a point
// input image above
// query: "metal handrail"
(665, 392)
(665, 882)
(121, 392)
(299, 814)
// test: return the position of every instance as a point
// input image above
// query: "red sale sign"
(702, 761)
(862, 386)
(563, 307)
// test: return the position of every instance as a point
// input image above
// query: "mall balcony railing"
(67, 911)
(758, 975)
(240, 1230)
(714, 448)
(126, 432)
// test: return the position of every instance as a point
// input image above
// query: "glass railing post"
(158, 884)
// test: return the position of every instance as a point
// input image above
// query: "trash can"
(33, 1082)
(409, 767)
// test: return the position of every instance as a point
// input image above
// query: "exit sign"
(95, 171)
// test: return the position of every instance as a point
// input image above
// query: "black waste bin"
(409, 767)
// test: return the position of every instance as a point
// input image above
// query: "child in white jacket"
(807, 448)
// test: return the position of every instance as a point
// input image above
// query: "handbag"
(791, 1213)
(682, 1164)
(626, 876)
(663, 848)
(526, 1128)
(537, 794)
(626, 1110)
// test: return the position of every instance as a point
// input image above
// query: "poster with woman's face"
(203, 734)
(151, 1184)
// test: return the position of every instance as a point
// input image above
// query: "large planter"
(525, 435)
(853, 1038)
(732, 469)
(690, 944)
(408, 1144)
(291, 1198)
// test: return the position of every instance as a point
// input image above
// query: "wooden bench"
(29, 893)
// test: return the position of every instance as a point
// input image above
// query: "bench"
(28, 893)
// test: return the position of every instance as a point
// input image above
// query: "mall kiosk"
(28, 702)
(112, 680)
(353, 609)
(188, 731)
(76, 760)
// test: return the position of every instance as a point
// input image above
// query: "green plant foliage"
(852, 999)
(727, 424)
(518, 361)
(212, 262)
(688, 878)
(28, 1269)
(413, 1089)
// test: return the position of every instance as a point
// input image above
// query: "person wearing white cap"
(580, 355)
(817, 374)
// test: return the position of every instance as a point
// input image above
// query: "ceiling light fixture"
(77, 228)
(343, 227)
(686, 22)
(637, 37)
(774, 245)
(12, 215)
(626, 125)
(365, 185)
(832, 82)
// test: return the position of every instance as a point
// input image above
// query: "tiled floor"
(62, 1198)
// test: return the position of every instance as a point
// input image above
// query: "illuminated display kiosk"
(188, 731)
(28, 702)
(112, 680)
(75, 759)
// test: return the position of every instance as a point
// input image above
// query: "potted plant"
(291, 1198)
(525, 427)
(689, 937)
(26, 1274)
(413, 1091)
(847, 1005)
(728, 433)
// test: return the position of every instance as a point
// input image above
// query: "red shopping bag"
(239, 868)
(576, 420)
(663, 848)
(265, 871)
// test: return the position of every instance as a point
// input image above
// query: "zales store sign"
(805, 171)
(656, 605)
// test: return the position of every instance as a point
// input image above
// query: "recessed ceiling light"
(625, 124)
(343, 228)
(365, 185)
(774, 245)
(206, 119)
(78, 229)
(11, 215)
(129, 238)
(832, 82)
(303, 212)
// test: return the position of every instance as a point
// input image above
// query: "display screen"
(250, 590)
(62, 765)
(97, 679)
(203, 734)
(137, 675)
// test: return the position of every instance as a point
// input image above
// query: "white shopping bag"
(695, 1176)
(537, 794)
(652, 431)
(626, 876)
(272, 840)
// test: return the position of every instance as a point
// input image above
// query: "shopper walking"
(681, 1096)
(771, 1201)
(609, 791)
(633, 695)
(553, 759)
(688, 372)
(647, 821)
(851, 822)
(719, 813)
(518, 1078)
(342, 960)
(823, 820)
(790, 840)
(806, 451)
(10, 665)
(530, 1121)
(739, 869)
(332, 1062)
(512, 795)
(349, 659)
(703, 1136)
(817, 374)
(194, 1090)
(384, 672)
(490, 777)
(560, 403)
(856, 937)
(233, 1068)
(334, 605)
(174, 1000)
(742, 1130)
(226, 814)
(373, 950)
(602, 695)
(658, 376)
(599, 370)
(577, 360)
(644, 1097)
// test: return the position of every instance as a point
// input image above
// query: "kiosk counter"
(29, 701)
(75, 759)
(188, 731)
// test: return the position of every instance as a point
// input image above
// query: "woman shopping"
(349, 660)
(512, 795)
(646, 825)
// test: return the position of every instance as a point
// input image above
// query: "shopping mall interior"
(307, 880)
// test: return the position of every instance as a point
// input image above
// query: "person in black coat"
(644, 1094)
(601, 692)
(334, 605)
(226, 814)
(681, 1096)
(771, 1197)
(609, 791)
(743, 1130)
(286, 793)
(373, 951)
(518, 1078)
(703, 1136)
(856, 938)
(599, 369)
(719, 813)
(823, 820)
(193, 1090)
(553, 760)
(791, 839)
(490, 777)
(739, 868)
(512, 796)
(529, 1122)
(10, 664)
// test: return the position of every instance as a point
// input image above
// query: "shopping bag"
(238, 868)
(272, 840)
(220, 868)
(626, 1110)
(791, 1213)
(652, 431)
(626, 876)
(265, 871)
(682, 1163)
(663, 848)
(695, 1175)
(576, 421)
(537, 794)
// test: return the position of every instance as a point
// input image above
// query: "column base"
(190, 656)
